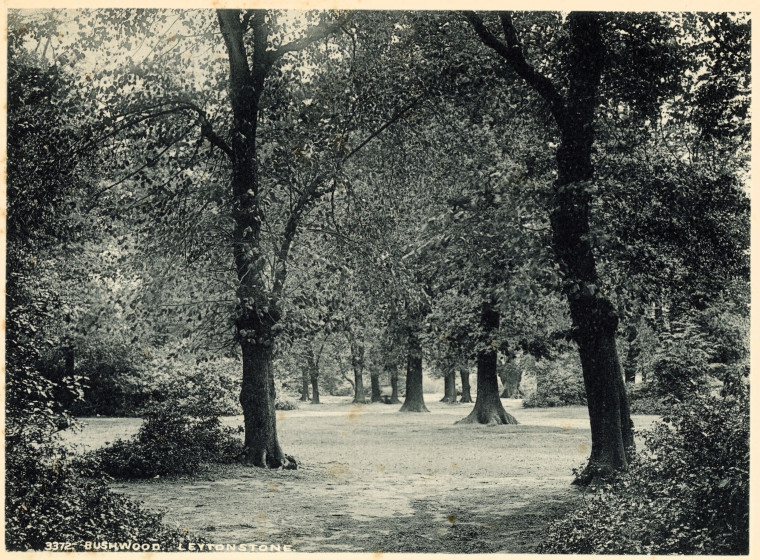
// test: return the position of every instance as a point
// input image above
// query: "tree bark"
(510, 376)
(258, 311)
(450, 387)
(304, 385)
(313, 364)
(315, 389)
(464, 373)
(394, 386)
(357, 363)
(262, 448)
(376, 394)
(414, 400)
(488, 408)
(594, 319)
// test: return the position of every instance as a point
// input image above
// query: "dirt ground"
(374, 480)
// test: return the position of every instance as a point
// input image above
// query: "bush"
(114, 384)
(558, 383)
(285, 402)
(688, 493)
(645, 398)
(174, 439)
(49, 499)
(215, 380)
(130, 391)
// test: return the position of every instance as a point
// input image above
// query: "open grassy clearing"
(374, 480)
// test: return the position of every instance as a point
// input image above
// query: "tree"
(594, 318)
(277, 138)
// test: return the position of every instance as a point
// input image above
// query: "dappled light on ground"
(371, 479)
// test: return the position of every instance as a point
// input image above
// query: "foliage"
(49, 497)
(114, 386)
(191, 381)
(175, 438)
(682, 365)
(644, 398)
(688, 492)
(284, 398)
(559, 382)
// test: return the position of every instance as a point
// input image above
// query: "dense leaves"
(175, 438)
(688, 492)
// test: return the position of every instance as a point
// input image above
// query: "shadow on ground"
(372, 480)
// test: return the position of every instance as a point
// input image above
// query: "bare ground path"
(374, 480)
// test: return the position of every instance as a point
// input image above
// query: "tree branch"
(313, 34)
(207, 130)
(512, 53)
(394, 118)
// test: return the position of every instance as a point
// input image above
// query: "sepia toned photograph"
(377, 281)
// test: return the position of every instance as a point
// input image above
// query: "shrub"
(645, 398)
(130, 391)
(213, 380)
(48, 499)
(114, 383)
(688, 493)
(558, 383)
(175, 438)
(284, 399)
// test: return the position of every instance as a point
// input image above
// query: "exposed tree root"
(413, 407)
(594, 474)
(261, 459)
(488, 416)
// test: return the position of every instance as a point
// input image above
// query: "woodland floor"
(374, 480)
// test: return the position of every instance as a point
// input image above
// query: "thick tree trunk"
(257, 396)
(450, 387)
(464, 373)
(594, 318)
(510, 376)
(258, 308)
(394, 386)
(377, 396)
(315, 389)
(488, 408)
(357, 363)
(250, 59)
(359, 396)
(414, 400)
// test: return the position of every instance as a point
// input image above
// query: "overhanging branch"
(512, 53)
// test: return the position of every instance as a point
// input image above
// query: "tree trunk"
(510, 376)
(414, 400)
(377, 396)
(357, 362)
(629, 366)
(464, 373)
(450, 387)
(314, 375)
(304, 385)
(488, 408)
(359, 395)
(394, 386)
(315, 389)
(594, 318)
(257, 395)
